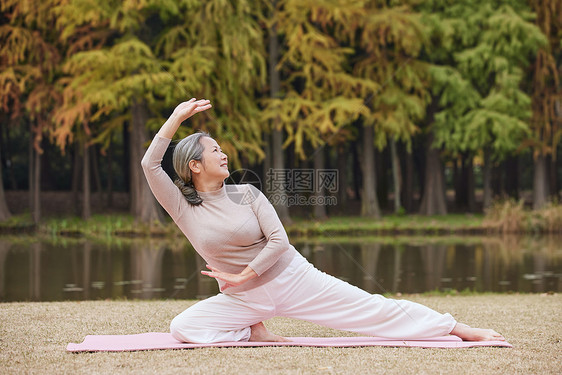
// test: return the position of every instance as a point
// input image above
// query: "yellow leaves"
(331, 80)
(172, 39)
(72, 16)
(16, 42)
(103, 82)
(397, 27)
(41, 99)
(134, 4)
(111, 125)
(328, 13)
(85, 38)
(126, 68)
(74, 111)
(312, 121)
(31, 12)
(15, 80)
(21, 45)
(10, 91)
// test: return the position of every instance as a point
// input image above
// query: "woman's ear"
(194, 166)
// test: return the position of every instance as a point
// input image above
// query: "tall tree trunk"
(8, 160)
(4, 211)
(279, 165)
(144, 207)
(497, 181)
(512, 176)
(109, 201)
(408, 190)
(470, 184)
(277, 134)
(540, 183)
(464, 183)
(558, 167)
(125, 163)
(76, 162)
(86, 188)
(433, 200)
(419, 156)
(381, 163)
(36, 191)
(458, 185)
(356, 168)
(267, 160)
(319, 210)
(94, 157)
(395, 175)
(556, 164)
(34, 180)
(487, 179)
(30, 174)
(342, 165)
(552, 177)
(369, 201)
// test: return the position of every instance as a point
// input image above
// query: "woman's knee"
(175, 329)
(180, 329)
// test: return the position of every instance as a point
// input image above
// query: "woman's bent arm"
(272, 229)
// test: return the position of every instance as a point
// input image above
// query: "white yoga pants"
(303, 292)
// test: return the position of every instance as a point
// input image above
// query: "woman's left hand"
(231, 279)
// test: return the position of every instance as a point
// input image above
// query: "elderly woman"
(260, 274)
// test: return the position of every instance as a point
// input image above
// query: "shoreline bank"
(120, 225)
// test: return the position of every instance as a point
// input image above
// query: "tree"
(29, 63)
(276, 144)
(103, 79)
(546, 95)
(477, 71)
(319, 95)
(390, 40)
(156, 55)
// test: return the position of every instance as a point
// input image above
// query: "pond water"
(64, 269)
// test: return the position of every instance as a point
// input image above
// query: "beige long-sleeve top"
(235, 226)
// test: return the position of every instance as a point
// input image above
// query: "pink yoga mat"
(156, 340)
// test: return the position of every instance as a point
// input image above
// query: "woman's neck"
(207, 185)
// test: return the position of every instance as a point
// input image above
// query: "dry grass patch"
(34, 337)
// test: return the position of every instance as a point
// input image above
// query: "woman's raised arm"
(163, 188)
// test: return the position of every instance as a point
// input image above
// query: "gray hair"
(189, 148)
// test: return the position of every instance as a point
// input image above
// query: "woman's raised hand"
(187, 109)
(181, 113)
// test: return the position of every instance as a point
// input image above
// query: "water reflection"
(154, 269)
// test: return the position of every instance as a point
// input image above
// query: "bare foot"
(468, 333)
(260, 333)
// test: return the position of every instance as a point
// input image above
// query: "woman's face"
(215, 162)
